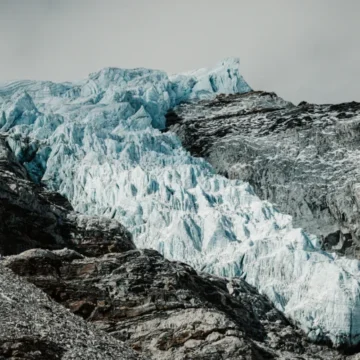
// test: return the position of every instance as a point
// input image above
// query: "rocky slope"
(302, 158)
(98, 143)
(166, 310)
(32, 327)
(161, 309)
(32, 216)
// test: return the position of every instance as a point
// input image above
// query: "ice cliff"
(99, 143)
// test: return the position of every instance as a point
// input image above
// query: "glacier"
(100, 142)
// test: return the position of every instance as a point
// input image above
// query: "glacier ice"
(99, 143)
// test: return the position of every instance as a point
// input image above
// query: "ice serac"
(98, 143)
(203, 83)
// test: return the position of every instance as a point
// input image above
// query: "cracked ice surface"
(98, 142)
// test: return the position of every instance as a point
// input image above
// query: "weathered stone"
(33, 217)
(35, 328)
(166, 310)
(303, 158)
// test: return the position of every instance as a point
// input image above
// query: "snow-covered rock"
(98, 143)
(304, 158)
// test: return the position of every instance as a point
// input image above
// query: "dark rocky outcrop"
(303, 158)
(33, 327)
(31, 216)
(166, 310)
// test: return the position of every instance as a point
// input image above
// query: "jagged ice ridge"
(99, 143)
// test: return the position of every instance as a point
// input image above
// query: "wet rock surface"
(166, 310)
(303, 158)
(31, 216)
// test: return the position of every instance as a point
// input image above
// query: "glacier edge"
(98, 143)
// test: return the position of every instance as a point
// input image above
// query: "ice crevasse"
(99, 143)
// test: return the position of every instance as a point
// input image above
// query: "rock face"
(32, 216)
(166, 310)
(303, 158)
(33, 327)
(98, 143)
(162, 309)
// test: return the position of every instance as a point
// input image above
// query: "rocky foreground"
(302, 158)
(151, 307)
(33, 327)
(166, 310)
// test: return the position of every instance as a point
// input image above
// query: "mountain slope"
(303, 158)
(32, 216)
(97, 142)
(166, 310)
(162, 309)
(33, 327)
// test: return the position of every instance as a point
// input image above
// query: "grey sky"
(301, 49)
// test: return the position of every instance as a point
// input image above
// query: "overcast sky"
(301, 49)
